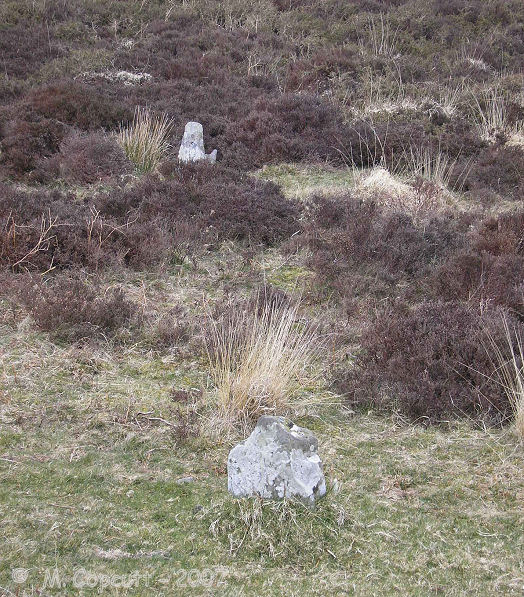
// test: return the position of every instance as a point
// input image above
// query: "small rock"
(278, 460)
(184, 480)
(192, 147)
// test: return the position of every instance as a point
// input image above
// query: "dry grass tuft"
(382, 38)
(434, 166)
(510, 372)
(391, 192)
(380, 181)
(516, 135)
(491, 117)
(145, 140)
(260, 360)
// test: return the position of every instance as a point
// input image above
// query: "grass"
(516, 135)
(392, 190)
(433, 166)
(259, 360)
(491, 118)
(509, 366)
(418, 512)
(382, 38)
(145, 140)
(96, 473)
(302, 181)
(88, 483)
(276, 531)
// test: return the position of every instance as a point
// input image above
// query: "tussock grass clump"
(434, 166)
(382, 38)
(146, 140)
(509, 363)
(260, 359)
(516, 136)
(418, 199)
(490, 115)
(390, 192)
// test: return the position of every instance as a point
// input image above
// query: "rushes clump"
(145, 140)
(260, 358)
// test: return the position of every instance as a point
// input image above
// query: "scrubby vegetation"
(145, 140)
(355, 259)
(70, 308)
(152, 221)
(260, 358)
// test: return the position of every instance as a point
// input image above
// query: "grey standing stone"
(192, 147)
(279, 459)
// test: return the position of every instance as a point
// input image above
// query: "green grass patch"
(302, 181)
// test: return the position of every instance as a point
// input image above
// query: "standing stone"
(192, 147)
(279, 459)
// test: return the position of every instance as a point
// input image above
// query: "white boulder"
(192, 147)
(278, 460)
